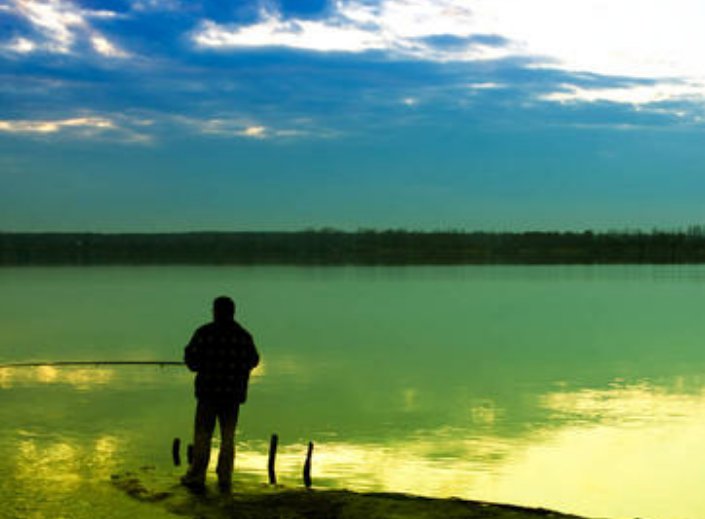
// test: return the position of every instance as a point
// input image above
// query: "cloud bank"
(657, 40)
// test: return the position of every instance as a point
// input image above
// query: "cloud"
(21, 46)
(300, 34)
(398, 26)
(227, 127)
(659, 41)
(53, 126)
(245, 128)
(82, 127)
(156, 5)
(106, 48)
(631, 94)
(487, 85)
(59, 25)
(257, 132)
(148, 127)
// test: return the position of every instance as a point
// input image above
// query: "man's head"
(223, 309)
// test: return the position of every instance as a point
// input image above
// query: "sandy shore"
(266, 502)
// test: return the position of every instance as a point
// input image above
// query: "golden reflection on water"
(52, 476)
(5, 378)
(79, 378)
(485, 413)
(259, 372)
(629, 403)
(53, 464)
(626, 451)
(60, 465)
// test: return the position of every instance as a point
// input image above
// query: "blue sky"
(161, 115)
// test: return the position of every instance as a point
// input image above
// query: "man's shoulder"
(204, 328)
(203, 333)
(219, 329)
(241, 330)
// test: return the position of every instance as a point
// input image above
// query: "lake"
(580, 389)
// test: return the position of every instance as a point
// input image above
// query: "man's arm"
(251, 355)
(192, 353)
(254, 356)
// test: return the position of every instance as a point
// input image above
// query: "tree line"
(365, 247)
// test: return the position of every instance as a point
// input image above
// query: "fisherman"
(222, 353)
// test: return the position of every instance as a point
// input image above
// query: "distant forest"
(333, 247)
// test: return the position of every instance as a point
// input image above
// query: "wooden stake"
(307, 466)
(176, 452)
(272, 459)
(189, 454)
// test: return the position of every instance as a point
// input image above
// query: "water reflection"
(583, 451)
(53, 475)
(53, 465)
(599, 446)
(79, 378)
(88, 378)
(433, 381)
(625, 403)
(640, 440)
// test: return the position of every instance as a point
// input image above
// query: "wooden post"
(307, 466)
(176, 452)
(272, 459)
(189, 454)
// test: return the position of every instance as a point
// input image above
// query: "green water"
(574, 388)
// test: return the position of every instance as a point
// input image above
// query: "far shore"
(364, 247)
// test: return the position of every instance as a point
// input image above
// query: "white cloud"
(637, 38)
(646, 39)
(633, 94)
(21, 46)
(57, 21)
(485, 86)
(301, 34)
(116, 128)
(398, 26)
(62, 24)
(224, 126)
(104, 47)
(156, 5)
(54, 126)
(257, 132)
(241, 127)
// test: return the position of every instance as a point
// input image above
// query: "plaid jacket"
(222, 355)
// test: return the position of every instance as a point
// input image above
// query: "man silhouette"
(222, 353)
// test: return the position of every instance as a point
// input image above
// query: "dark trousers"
(206, 414)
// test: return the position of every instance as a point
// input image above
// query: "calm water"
(575, 388)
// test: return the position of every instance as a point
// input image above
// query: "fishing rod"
(62, 363)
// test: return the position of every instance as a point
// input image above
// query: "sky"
(171, 115)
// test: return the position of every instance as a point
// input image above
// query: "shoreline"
(253, 501)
